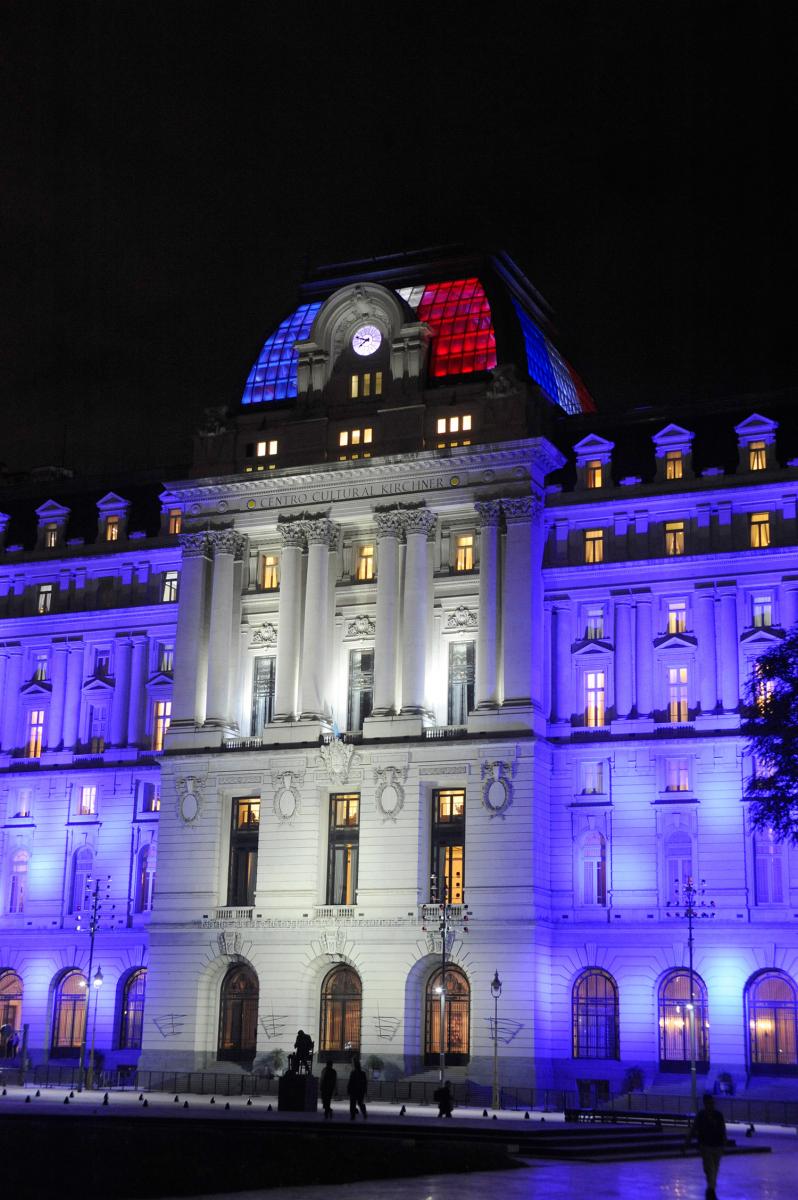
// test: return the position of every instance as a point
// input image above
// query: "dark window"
(361, 687)
(238, 1015)
(69, 1015)
(448, 845)
(244, 852)
(595, 1016)
(675, 1034)
(457, 1018)
(81, 879)
(262, 693)
(344, 838)
(461, 682)
(145, 878)
(132, 1011)
(341, 1011)
(772, 1003)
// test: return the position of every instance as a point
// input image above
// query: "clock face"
(366, 340)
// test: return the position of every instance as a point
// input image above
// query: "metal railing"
(435, 732)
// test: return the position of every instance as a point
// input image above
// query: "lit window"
(677, 616)
(50, 536)
(677, 775)
(763, 689)
(44, 600)
(595, 473)
(593, 778)
(355, 387)
(454, 425)
(35, 733)
(464, 552)
(594, 698)
(23, 802)
(87, 801)
(358, 440)
(343, 848)
(162, 715)
(145, 879)
(112, 529)
(677, 694)
(459, 315)
(151, 797)
(594, 545)
(166, 658)
(169, 593)
(132, 1023)
(448, 845)
(19, 882)
(175, 520)
(594, 623)
(759, 524)
(266, 449)
(593, 861)
(674, 537)
(762, 611)
(96, 727)
(594, 1021)
(366, 385)
(757, 456)
(41, 668)
(674, 464)
(365, 563)
(269, 573)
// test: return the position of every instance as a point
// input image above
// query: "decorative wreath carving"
(287, 797)
(189, 799)
(497, 788)
(390, 794)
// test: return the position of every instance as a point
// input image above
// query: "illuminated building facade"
(414, 533)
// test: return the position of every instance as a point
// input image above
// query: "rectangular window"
(112, 529)
(169, 593)
(674, 464)
(23, 804)
(759, 524)
(269, 573)
(454, 425)
(365, 385)
(677, 775)
(677, 616)
(354, 389)
(595, 697)
(41, 669)
(242, 877)
(595, 473)
(102, 662)
(343, 848)
(768, 874)
(757, 456)
(161, 717)
(166, 658)
(360, 441)
(96, 727)
(361, 688)
(677, 694)
(594, 545)
(263, 676)
(461, 682)
(266, 449)
(44, 602)
(674, 537)
(448, 845)
(364, 569)
(150, 797)
(464, 552)
(762, 611)
(50, 536)
(87, 801)
(175, 520)
(594, 623)
(34, 733)
(593, 779)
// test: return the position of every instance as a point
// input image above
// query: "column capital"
(521, 509)
(195, 545)
(292, 533)
(489, 512)
(389, 524)
(322, 531)
(227, 541)
(419, 520)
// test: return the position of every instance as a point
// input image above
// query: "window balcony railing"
(233, 914)
(436, 732)
(432, 912)
(334, 912)
(245, 743)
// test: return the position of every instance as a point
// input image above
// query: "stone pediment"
(160, 677)
(762, 637)
(97, 687)
(593, 446)
(36, 687)
(676, 641)
(52, 511)
(592, 646)
(111, 503)
(673, 437)
(756, 426)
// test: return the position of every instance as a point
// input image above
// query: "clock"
(366, 340)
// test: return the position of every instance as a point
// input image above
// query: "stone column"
(292, 536)
(191, 640)
(489, 631)
(74, 684)
(707, 657)
(728, 662)
(389, 534)
(55, 723)
(227, 546)
(419, 525)
(623, 656)
(121, 701)
(563, 697)
(138, 679)
(522, 602)
(13, 682)
(314, 679)
(644, 657)
(789, 604)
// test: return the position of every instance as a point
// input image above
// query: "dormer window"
(594, 473)
(175, 520)
(51, 536)
(757, 456)
(674, 464)
(44, 599)
(112, 529)
(365, 385)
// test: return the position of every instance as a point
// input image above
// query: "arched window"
(10, 1006)
(18, 885)
(772, 1003)
(593, 868)
(238, 1015)
(132, 1011)
(678, 863)
(69, 1015)
(674, 1022)
(82, 861)
(595, 1016)
(457, 1018)
(341, 1011)
(145, 878)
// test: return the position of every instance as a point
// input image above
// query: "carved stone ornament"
(362, 626)
(229, 944)
(389, 524)
(419, 520)
(497, 788)
(519, 509)
(292, 533)
(189, 799)
(266, 635)
(504, 382)
(338, 757)
(390, 795)
(287, 798)
(227, 541)
(195, 545)
(214, 422)
(461, 618)
(321, 532)
(489, 511)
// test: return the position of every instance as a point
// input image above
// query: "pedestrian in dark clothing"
(356, 1090)
(709, 1130)
(304, 1049)
(329, 1079)
(445, 1100)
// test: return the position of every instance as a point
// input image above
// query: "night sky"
(171, 169)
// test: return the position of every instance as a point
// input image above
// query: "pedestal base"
(297, 1093)
(290, 733)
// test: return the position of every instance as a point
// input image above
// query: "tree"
(771, 722)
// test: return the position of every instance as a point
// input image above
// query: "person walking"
(445, 1100)
(356, 1089)
(327, 1084)
(709, 1131)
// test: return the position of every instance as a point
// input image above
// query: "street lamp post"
(97, 983)
(688, 899)
(496, 991)
(450, 917)
(96, 892)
